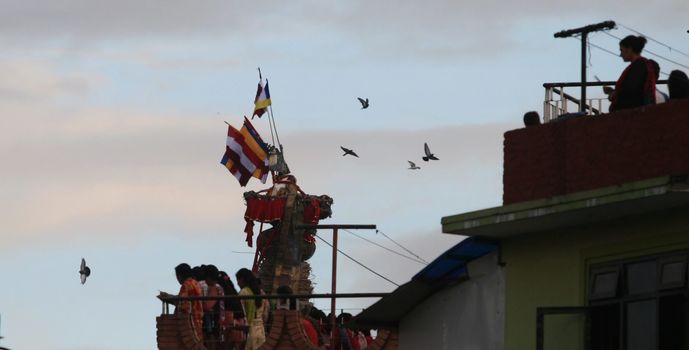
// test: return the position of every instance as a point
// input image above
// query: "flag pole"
(270, 116)
(272, 137)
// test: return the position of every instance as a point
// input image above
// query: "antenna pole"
(584, 31)
(582, 102)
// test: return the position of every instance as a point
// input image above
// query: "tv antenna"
(584, 31)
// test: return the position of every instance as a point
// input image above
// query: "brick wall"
(592, 152)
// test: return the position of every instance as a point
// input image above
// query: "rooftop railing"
(558, 102)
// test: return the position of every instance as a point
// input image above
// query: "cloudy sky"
(112, 129)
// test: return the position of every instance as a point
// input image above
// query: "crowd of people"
(242, 324)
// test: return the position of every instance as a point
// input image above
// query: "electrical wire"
(386, 248)
(401, 246)
(588, 51)
(652, 53)
(654, 40)
(602, 48)
(612, 53)
(356, 261)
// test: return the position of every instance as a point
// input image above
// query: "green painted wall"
(549, 269)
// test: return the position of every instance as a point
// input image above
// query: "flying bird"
(84, 271)
(348, 151)
(413, 166)
(364, 103)
(428, 155)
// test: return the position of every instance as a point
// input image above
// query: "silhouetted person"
(532, 118)
(678, 85)
(661, 97)
(637, 85)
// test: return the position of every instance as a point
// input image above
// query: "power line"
(401, 246)
(679, 64)
(602, 48)
(654, 40)
(386, 248)
(360, 264)
(612, 53)
(652, 53)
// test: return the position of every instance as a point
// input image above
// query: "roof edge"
(461, 224)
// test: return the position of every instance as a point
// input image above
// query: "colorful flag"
(262, 100)
(257, 147)
(246, 155)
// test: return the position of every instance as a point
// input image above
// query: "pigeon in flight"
(428, 155)
(84, 271)
(348, 151)
(364, 103)
(413, 166)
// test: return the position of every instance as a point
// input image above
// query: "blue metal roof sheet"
(451, 265)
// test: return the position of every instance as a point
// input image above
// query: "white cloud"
(440, 28)
(31, 80)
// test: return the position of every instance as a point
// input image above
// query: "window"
(642, 277)
(640, 303)
(604, 283)
(673, 272)
(642, 325)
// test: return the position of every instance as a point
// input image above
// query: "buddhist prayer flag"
(258, 148)
(246, 155)
(262, 100)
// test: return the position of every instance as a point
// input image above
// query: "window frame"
(603, 270)
(672, 259)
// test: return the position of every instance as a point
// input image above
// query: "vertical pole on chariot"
(333, 291)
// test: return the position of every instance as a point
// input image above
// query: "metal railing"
(172, 299)
(220, 336)
(557, 102)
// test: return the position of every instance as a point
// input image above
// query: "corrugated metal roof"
(451, 265)
(449, 268)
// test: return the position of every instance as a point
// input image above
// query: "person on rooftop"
(532, 118)
(189, 288)
(234, 315)
(213, 310)
(253, 308)
(661, 97)
(637, 85)
(198, 274)
(678, 85)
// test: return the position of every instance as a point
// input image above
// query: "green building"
(593, 234)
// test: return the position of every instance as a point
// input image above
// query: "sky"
(113, 127)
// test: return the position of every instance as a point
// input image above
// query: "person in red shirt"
(637, 85)
(310, 331)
